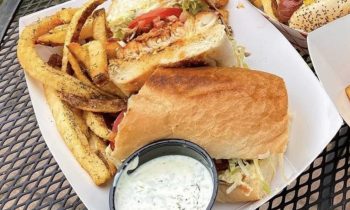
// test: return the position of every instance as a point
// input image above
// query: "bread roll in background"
(312, 16)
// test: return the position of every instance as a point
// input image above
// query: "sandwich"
(172, 33)
(306, 15)
(239, 116)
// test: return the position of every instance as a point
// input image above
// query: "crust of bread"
(239, 194)
(231, 112)
(309, 17)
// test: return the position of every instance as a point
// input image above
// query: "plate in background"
(329, 48)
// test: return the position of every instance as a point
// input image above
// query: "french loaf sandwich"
(239, 116)
(171, 33)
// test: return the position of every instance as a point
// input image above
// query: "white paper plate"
(314, 119)
(329, 48)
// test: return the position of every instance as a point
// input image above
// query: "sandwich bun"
(230, 112)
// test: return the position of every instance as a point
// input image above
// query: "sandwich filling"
(123, 20)
(237, 173)
(152, 25)
(155, 40)
(172, 30)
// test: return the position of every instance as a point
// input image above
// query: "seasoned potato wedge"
(97, 124)
(75, 26)
(68, 125)
(99, 147)
(94, 105)
(99, 28)
(42, 71)
(98, 68)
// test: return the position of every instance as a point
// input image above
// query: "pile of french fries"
(76, 83)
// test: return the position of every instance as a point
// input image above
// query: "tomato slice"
(145, 20)
(114, 132)
(117, 121)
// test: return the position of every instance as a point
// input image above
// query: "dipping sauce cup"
(167, 174)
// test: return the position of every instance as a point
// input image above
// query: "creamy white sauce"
(167, 182)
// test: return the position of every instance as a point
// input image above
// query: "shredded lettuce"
(120, 26)
(243, 167)
(239, 54)
(264, 184)
(234, 174)
(232, 187)
(257, 169)
(266, 187)
(119, 33)
(233, 177)
(239, 169)
(194, 6)
(281, 164)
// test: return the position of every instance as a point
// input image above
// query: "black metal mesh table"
(31, 179)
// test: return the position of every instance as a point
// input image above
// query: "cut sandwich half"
(174, 38)
(239, 116)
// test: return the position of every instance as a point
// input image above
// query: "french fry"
(59, 28)
(98, 68)
(46, 24)
(52, 38)
(75, 139)
(78, 114)
(80, 53)
(97, 124)
(86, 31)
(67, 14)
(41, 71)
(78, 72)
(99, 29)
(94, 105)
(75, 26)
(111, 88)
(99, 147)
(57, 35)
